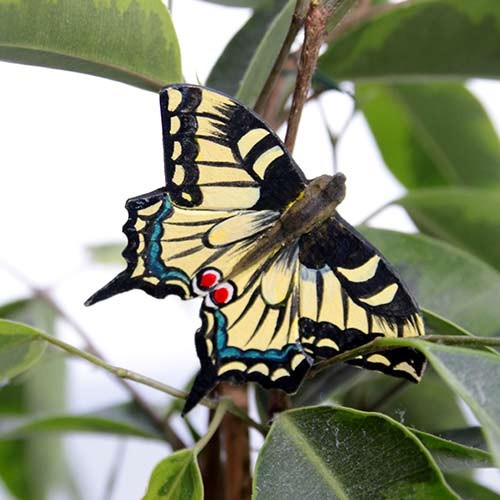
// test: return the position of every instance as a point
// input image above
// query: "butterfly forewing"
(220, 155)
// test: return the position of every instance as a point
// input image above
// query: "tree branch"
(295, 26)
(314, 33)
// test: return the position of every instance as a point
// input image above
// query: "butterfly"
(285, 281)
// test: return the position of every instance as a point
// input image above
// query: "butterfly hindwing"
(255, 336)
(350, 295)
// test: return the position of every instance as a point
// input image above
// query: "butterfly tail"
(203, 384)
(119, 284)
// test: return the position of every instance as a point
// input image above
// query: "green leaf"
(11, 309)
(474, 376)
(444, 279)
(468, 218)
(436, 324)
(408, 403)
(132, 41)
(119, 420)
(106, 253)
(432, 135)
(468, 436)
(322, 386)
(417, 40)
(178, 476)
(469, 489)
(441, 326)
(245, 64)
(31, 468)
(20, 348)
(451, 456)
(327, 452)
(237, 3)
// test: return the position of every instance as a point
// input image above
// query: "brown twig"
(295, 26)
(236, 442)
(314, 34)
(210, 463)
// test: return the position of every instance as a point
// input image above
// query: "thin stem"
(385, 344)
(314, 32)
(376, 212)
(462, 340)
(295, 26)
(319, 17)
(164, 427)
(222, 408)
(123, 373)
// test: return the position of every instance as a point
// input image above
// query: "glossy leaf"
(453, 283)
(469, 218)
(436, 324)
(327, 452)
(324, 385)
(451, 456)
(118, 420)
(237, 3)
(178, 476)
(132, 41)
(20, 348)
(468, 436)
(474, 376)
(245, 64)
(469, 489)
(417, 40)
(408, 403)
(432, 135)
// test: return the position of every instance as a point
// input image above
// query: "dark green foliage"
(389, 439)
(126, 40)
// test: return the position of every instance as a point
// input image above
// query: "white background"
(73, 148)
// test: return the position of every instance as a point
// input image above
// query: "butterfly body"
(313, 206)
(285, 281)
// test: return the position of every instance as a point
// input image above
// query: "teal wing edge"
(145, 268)
(213, 352)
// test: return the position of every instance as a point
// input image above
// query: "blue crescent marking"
(233, 352)
(155, 264)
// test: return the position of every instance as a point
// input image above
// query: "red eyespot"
(222, 294)
(208, 279)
